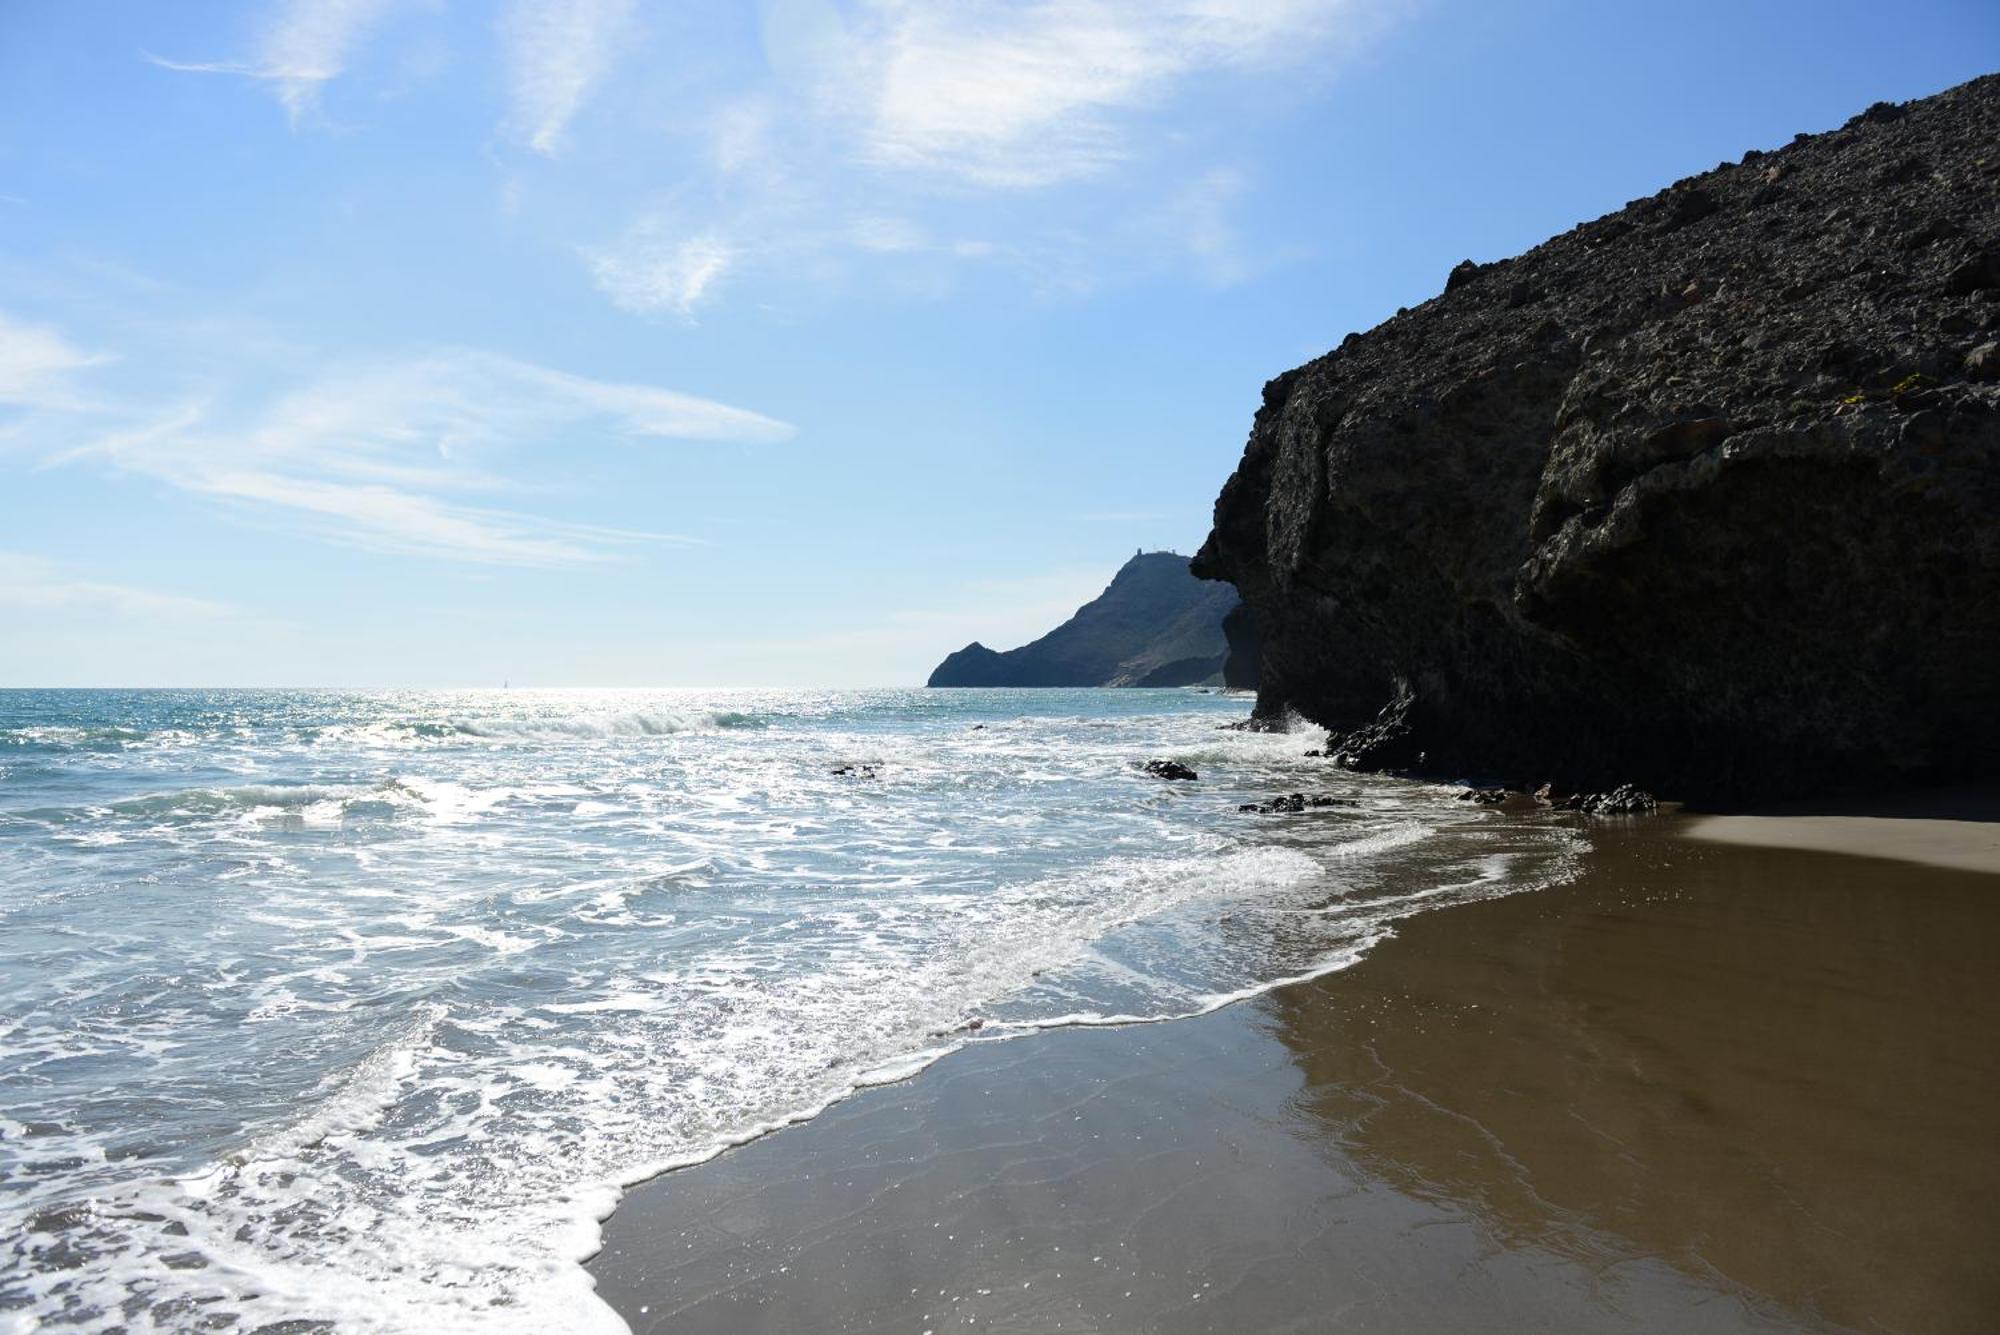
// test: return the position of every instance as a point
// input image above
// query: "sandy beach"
(1956, 828)
(1707, 1086)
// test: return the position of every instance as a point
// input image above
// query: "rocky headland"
(1154, 625)
(1703, 495)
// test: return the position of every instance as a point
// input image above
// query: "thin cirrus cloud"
(36, 584)
(1013, 95)
(37, 364)
(384, 459)
(650, 271)
(307, 44)
(557, 52)
(941, 110)
(954, 131)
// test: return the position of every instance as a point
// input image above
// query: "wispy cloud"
(36, 363)
(650, 271)
(1021, 95)
(885, 235)
(383, 458)
(1197, 219)
(36, 584)
(900, 146)
(557, 51)
(908, 146)
(307, 44)
(400, 522)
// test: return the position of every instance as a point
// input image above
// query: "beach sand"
(1705, 1087)
(1941, 827)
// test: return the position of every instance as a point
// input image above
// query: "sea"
(356, 1011)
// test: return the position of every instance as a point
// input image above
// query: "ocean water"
(355, 1011)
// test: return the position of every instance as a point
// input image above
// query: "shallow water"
(361, 1007)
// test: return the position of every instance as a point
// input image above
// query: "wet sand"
(1705, 1087)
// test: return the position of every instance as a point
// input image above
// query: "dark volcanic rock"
(1277, 722)
(1704, 494)
(1624, 800)
(1387, 743)
(1169, 769)
(1982, 363)
(1293, 803)
(1155, 625)
(1239, 629)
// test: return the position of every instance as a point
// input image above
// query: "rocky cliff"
(1155, 625)
(1704, 494)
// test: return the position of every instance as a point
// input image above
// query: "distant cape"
(1155, 625)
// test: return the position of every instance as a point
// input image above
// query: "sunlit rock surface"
(1702, 495)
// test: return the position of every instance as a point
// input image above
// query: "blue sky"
(609, 342)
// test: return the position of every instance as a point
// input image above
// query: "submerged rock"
(1169, 769)
(1703, 495)
(1293, 803)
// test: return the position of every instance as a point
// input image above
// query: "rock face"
(1240, 668)
(1703, 495)
(1155, 625)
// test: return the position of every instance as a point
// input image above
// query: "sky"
(779, 343)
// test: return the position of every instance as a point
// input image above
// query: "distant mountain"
(1156, 625)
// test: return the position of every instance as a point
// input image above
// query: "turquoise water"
(360, 1008)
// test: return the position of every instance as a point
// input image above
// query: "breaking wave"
(598, 726)
(362, 1010)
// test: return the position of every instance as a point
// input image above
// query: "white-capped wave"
(389, 797)
(520, 961)
(70, 737)
(631, 723)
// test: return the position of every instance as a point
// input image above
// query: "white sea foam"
(378, 1013)
(593, 726)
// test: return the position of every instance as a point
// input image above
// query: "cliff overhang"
(1703, 495)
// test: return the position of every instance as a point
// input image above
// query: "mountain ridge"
(1155, 624)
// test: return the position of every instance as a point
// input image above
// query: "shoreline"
(1704, 1086)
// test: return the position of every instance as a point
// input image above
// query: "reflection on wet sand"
(1703, 1089)
(1772, 1067)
